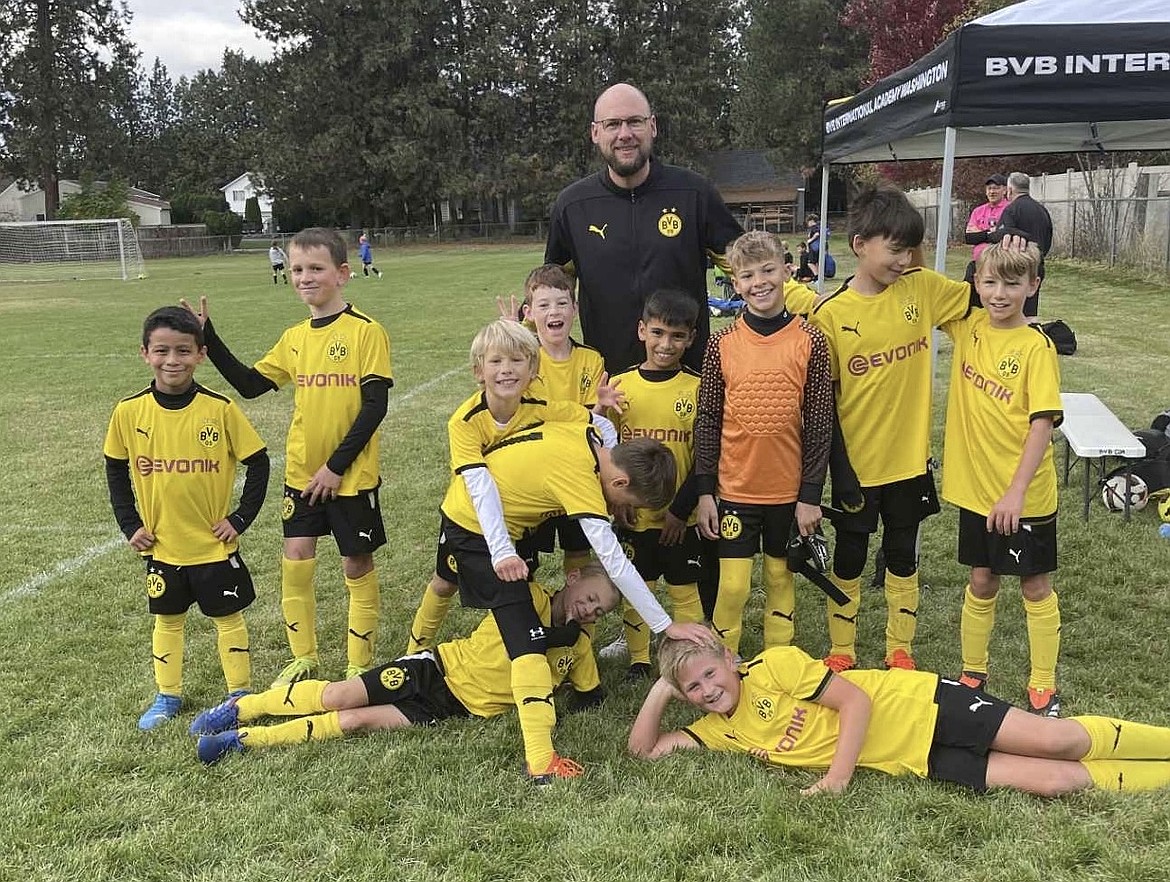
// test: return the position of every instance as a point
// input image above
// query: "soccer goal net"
(49, 251)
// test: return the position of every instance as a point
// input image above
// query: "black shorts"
(464, 559)
(354, 521)
(220, 588)
(900, 504)
(415, 685)
(1029, 551)
(968, 721)
(564, 529)
(678, 564)
(277, 266)
(745, 528)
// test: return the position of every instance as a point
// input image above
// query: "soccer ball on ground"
(352, 274)
(1115, 490)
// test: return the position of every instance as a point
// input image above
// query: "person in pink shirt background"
(983, 220)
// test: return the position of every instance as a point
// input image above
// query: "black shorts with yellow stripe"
(415, 685)
(464, 559)
(220, 588)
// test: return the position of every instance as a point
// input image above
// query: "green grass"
(88, 797)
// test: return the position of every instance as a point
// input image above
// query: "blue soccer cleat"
(212, 747)
(220, 718)
(165, 707)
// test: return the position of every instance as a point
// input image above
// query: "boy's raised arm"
(647, 740)
(247, 381)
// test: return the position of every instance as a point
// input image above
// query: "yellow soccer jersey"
(778, 721)
(1001, 380)
(328, 360)
(799, 298)
(183, 469)
(541, 474)
(479, 673)
(664, 410)
(472, 429)
(880, 354)
(574, 379)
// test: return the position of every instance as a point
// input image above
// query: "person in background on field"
(367, 256)
(173, 506)
(279, 260)
(984, 219)
(1028, 219)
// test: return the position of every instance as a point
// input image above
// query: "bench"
(1093, 433)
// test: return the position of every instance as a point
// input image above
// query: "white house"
(29, 205)
(237, 192)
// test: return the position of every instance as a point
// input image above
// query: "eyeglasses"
(614, 125)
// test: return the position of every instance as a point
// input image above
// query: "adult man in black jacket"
(635, 226)
(1028, 218)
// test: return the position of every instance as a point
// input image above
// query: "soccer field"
(89, 797)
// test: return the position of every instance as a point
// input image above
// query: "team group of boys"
(739, 455)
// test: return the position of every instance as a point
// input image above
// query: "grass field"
(87, 796)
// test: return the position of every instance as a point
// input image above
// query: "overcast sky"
(190, 35)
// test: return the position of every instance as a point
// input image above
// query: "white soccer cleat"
(617, 649)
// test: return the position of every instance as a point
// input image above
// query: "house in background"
(29, 205)
(760, 196)
(238, 191)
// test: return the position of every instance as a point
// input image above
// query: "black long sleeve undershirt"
(248, 381)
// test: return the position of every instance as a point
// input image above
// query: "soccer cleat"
(218, 719)
(561, 767)
(637, 672)
(615, 649)
(974, 680)
(1043, 702)
(839, 663)
(164, 707)
(354, 671)
(900, 658)
(298, 669)
(213, 747)
(379, 272)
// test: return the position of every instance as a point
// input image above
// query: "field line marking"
(61, 569)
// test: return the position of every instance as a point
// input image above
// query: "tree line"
(372, 111)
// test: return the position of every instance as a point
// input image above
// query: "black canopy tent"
(1042, 76)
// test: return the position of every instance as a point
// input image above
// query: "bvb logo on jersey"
(684, 406)
(670, 224)
(156, 586)
(730, 526)
(393, 678)
(1009, 366)
(209, 434)
(287, 507)
(338, 349)
(910, 312)
(452, 563)
(586, 383)
(764, 707)
(628, 550)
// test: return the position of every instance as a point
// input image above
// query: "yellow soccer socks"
(166, 648)
(637, 635)
(976, 624)
(235, 655)
(1113, 739)
(779, 603)
(298, 603)
(842, 620)
(1043, 618)
(735, 584)
(321, 727)
(427, 621)
(532, 691)
(901, 613)
(685, 602)
(294, 700)
(363, 620)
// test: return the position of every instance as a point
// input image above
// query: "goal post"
(54, 251)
